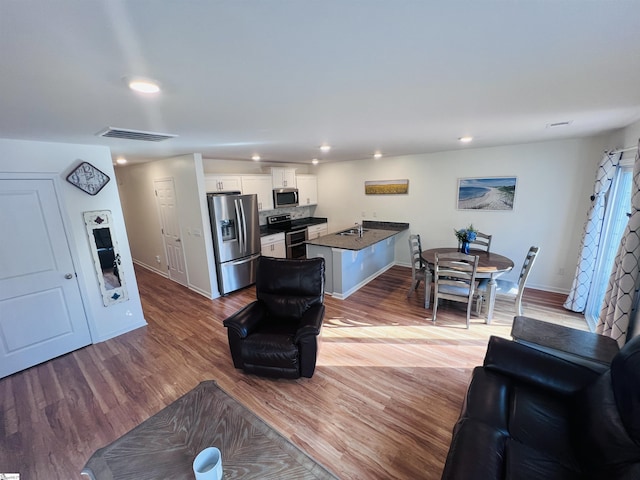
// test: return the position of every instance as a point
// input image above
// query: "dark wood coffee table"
(165, 445)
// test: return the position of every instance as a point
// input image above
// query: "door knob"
(69, 276)
(178, 240)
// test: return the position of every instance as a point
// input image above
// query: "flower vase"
(464, 248)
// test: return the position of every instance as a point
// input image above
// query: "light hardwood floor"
(387, 390)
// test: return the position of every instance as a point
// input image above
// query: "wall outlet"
(375, 215)
(364, 214)
(158, 258)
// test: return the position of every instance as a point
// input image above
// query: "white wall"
(212, 165)
(136, 184)
(555, 180)
(630, 137)
(33, 159)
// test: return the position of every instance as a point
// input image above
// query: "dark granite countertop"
(299, 222)
(398, 226)
(264, 231)
(371, 236)
(308, 221)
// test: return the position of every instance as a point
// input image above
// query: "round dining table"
(490, 265)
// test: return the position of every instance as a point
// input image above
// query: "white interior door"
(166, 200)
(41, 312)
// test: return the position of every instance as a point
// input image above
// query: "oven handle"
(295, 232)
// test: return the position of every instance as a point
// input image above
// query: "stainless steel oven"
(295, 237)
(295, 243)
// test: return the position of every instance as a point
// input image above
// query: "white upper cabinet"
(223, 183)
(307, 189)
(283, 177)
(261, 186)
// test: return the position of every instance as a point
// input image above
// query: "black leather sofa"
(278, 335)
(530, 415)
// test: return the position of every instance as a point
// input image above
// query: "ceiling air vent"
(135, 135)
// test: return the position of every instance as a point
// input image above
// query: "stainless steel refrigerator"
(236, 238)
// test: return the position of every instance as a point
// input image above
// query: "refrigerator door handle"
(240, 229)
(244, 226)
(244, 260)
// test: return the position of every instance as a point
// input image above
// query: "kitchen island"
(353, 260)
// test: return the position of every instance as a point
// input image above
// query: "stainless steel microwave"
(285, 197)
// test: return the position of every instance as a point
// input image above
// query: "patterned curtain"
(577, 299)
(619, 301)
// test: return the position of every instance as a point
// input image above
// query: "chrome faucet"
(360, 229)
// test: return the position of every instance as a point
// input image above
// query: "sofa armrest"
(533, 366)
(310, 323)
(244, 321)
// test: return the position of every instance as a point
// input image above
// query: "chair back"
(526, 267)
(289, 287)
(415, 250)
(482, 240)
(455, 276)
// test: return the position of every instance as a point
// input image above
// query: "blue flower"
(468, 234)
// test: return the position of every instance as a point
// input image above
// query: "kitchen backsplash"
(296, 212)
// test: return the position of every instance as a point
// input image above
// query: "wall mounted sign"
(88, 178)
(487, 193)
(386, 187)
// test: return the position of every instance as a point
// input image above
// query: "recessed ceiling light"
(466, 139)
(325, 148)
(121, 160)
(143, 85)
(377, 155)
(256, 158)
(314, 161)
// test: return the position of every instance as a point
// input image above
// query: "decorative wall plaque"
(88, 178)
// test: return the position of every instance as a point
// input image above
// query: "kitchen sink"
(351, 232)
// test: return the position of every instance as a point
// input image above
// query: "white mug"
(208, 464)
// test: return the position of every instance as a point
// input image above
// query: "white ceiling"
(281, 77)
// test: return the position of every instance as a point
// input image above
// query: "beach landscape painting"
(488, 193)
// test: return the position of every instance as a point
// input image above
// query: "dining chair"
(506, 288)
(455, 279)
(419, 269)
(482, 240)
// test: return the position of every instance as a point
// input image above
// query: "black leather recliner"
(529, 415)
(278, 334)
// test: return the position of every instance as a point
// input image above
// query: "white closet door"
(41, 312)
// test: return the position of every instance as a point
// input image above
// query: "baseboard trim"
(117, 333)
(150, 268)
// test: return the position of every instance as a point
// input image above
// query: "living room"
(389, 384)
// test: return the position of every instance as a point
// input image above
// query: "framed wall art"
(386, 187)
(486, 193)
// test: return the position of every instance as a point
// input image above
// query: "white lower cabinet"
(273, 245)
(316, 231)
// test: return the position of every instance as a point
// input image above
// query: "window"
(615, 221)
